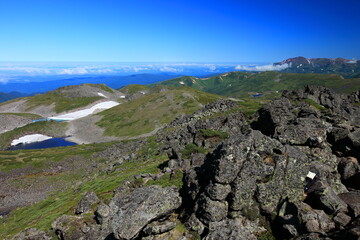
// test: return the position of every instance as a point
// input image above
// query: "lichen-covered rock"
(69, 227)
(194, 224)
(134, 211)
(32, 234)
(86, 203)
(235, 229)
(159, 227)
(316, 220)
(210, 210)
(217, 191)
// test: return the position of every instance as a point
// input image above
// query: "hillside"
(61, 100)
(150, 108)
(345, 67)
(290, 173)
(240, 84)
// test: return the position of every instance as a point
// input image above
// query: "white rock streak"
(85, 112)
(30, 139)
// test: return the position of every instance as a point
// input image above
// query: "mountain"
(291, 172)
(11, 95)
(61, 100)
(245, 84)
(345, 67)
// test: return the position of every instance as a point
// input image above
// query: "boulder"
(86, 203)
(235, 229)
(159, 227)
(134, 211)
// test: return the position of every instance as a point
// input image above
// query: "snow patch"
(102, 95)
(182, 82)
(30, 139)
(85, 112)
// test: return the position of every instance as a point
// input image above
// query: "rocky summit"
(289, 172)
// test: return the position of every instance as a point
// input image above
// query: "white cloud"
(262, 68)
(352, 61)
(3, 80)
(74, 71)
(170, 69)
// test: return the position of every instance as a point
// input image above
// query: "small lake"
(49, 143)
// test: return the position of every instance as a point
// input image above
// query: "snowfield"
(30, 139)
(85, 112)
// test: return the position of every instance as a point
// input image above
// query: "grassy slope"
(42, 214)
(237, 84)
(155, 109)
(62, 103)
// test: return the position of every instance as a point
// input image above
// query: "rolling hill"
(245, 84)
(61, 100)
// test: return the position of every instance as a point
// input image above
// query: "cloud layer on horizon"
(262, 68)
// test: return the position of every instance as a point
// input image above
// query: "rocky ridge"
(291, 172)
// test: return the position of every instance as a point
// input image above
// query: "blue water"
(258, 95)
(49, 143)
(48, 120)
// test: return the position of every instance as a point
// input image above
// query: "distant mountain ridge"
(241, 84)
(11, 95)
(345, 67)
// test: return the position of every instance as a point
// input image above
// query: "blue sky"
(177, 30)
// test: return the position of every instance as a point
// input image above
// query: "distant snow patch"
(182, 82)
(102, 95)
(30, 139)
(86, 112)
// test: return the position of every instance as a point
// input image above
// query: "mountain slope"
(61, 100)
(151, 110)
(239, 84)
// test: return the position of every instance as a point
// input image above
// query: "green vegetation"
(192, 148)
(133, 88)
(39, 158)
(153, 110)
(51, 128)
(213, 133)
(42, 214)
(26, 115)
(62, 103)
(174, 179)
(315, 104)
(101, 86)
(239, 84)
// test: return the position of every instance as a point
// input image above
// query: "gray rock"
(77, 228)
(159, 227)
(316, 220)
(194, 224)
(234, 229)
(217, 191)
(341, 219)
(86, 203)
(353, 201)
(349, 169)
(32, 234)
(211, 211)
(135, 210)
